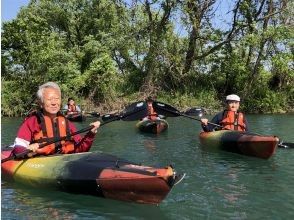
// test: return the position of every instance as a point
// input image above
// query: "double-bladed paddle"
(140, 109)
(93, 113)
(170, 111)
(133, 112)
(199, 112)
(285, 145)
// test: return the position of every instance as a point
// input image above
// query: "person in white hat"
(229, 119)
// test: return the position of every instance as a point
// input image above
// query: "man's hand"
(96, 125)
(204, 121)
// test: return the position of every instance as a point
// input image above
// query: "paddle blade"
(94, 114)
(108, 117)
(199, 112)
(165, 109)
(285, 145)
(135, 111)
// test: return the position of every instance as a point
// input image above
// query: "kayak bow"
(93, 173)
(240, 142)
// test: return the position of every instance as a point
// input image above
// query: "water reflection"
(218, 185)
(150, 146)
(22, 202)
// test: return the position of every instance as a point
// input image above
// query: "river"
(218, 185)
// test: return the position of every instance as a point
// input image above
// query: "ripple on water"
(218, 185)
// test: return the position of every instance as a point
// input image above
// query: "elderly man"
(48, 123)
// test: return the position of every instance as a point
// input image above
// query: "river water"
(218, 185)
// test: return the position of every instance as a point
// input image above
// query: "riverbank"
(205, 100)
(210, 104)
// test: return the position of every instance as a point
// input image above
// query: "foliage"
(266, 102)
(107, 53)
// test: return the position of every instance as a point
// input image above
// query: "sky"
(10, 8)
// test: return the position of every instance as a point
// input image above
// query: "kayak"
(152, 126)
(240, 142)
(93, 173)
(76, 117)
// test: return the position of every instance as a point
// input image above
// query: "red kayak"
(94, 174)
(240, 142)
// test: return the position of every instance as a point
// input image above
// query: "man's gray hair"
(52, 85)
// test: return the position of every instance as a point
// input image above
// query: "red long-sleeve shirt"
(31, 126)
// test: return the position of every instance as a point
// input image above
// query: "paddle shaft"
(126, 115)
(285, 145)
(82, 112)
(48, 143)
(55, 141)
(188, 116)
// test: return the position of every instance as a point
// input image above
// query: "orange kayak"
(93, 173)
(245, 143)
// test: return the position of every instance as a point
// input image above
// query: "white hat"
(233, 97)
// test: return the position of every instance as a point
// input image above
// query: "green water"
(218, 185)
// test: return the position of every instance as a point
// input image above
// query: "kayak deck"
(95, 174)
(240, 142)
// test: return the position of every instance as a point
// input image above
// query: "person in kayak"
(152, 114)
(48, 123)
(229, 119)
(71, 108)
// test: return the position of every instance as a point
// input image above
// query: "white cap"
(233, 97)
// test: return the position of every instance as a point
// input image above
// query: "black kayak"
(76, 117)
(152, 126)
(93, 173)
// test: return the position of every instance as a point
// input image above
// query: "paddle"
(22, 154)
(131, 113)
(108, 117)
(199, 112)
(285, 145)
(93, 113)
(140, 108)
(140, 104)
(170, 111)
(173, 112)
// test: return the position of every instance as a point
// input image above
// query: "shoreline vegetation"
(182, 105)
(184, 102)
(107, 54)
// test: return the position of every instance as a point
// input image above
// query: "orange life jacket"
(233, 121)
(152, 115)
(52, 129)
